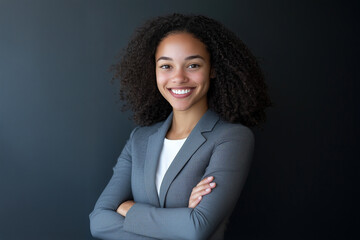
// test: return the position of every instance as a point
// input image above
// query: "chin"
(180, 108)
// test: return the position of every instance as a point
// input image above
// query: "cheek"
(160, 84)
(202, 79)
(160, 79)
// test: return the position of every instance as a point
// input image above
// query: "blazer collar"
(154, 147)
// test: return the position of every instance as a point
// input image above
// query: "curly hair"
(238, 92)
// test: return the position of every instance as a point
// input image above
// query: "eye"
(165, 66)
(194, 65)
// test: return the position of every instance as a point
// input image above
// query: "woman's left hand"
(125, 207)
(204, 187)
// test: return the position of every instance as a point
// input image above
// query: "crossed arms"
(228, 165)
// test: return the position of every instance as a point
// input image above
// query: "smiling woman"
(183, 73)
(181, 172)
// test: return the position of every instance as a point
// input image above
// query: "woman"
(194, 89)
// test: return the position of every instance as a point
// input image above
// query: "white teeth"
(180, 91)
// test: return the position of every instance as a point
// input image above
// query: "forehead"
(181, 44)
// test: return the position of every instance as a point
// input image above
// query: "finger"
(203, 186)
(205, 180)
(200, 194)
(195, 202)
(203, 192)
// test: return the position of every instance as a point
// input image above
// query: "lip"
(181, 95)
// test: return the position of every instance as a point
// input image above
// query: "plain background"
(61, 128)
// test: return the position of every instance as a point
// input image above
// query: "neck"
(183, 122)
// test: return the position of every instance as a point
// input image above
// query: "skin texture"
(183, 63)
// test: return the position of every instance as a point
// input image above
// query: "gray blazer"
(213, 148)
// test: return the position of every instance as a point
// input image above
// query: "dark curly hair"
(238, 93)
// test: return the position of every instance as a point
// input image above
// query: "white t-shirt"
(168, 153)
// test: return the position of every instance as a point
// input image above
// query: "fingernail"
(212, 184)
(207, 190)
(209, 178)
(199, 198)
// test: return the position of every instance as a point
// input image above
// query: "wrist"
(125, 207)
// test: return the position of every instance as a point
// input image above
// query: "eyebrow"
(187, 58)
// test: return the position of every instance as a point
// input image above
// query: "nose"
(179, 76)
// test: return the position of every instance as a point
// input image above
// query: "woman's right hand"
(204, 187)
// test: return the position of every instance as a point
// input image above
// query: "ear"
(212, 73)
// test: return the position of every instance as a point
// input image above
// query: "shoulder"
(224, 130)
(231, 144)
(142, 132)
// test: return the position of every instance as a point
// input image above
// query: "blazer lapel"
(154, 147)
(192, 143)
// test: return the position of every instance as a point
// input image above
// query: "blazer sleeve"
(105, 222)
(229, 164)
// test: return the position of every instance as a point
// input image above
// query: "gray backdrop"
(61, 129)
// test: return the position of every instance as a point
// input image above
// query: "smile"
(180, 91)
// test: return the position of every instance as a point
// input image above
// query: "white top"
(168, 153)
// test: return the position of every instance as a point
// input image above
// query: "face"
(183, 71)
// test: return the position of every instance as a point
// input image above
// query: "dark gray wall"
(61, 129)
